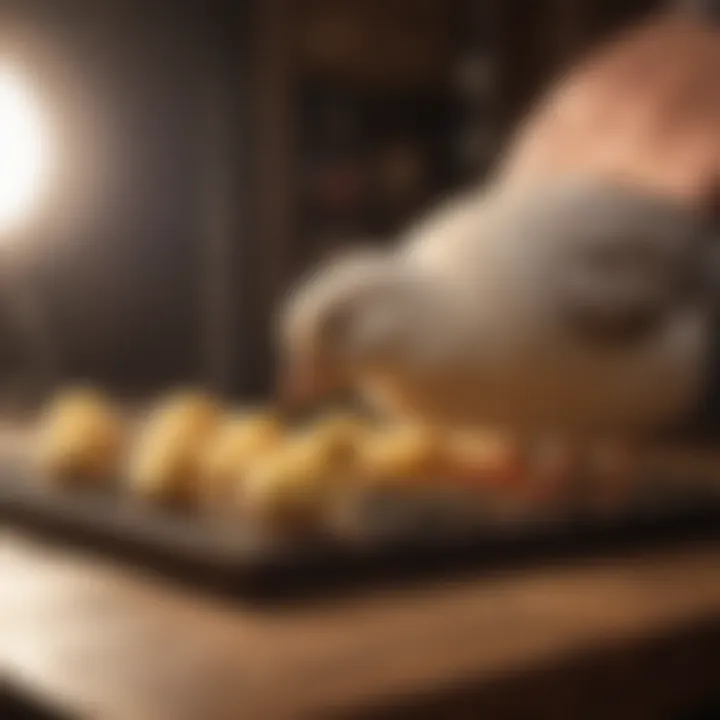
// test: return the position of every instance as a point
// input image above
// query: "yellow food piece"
(239, 442)
(166, 461)
(335, 441)
(402, 453)
(81, 438)
(292, 485)
(287, 487)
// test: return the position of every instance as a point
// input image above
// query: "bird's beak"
(302, 384)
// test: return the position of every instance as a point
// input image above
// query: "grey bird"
(601, 323)
(576, 293)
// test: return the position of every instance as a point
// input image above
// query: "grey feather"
(575, 305)
(631, 262)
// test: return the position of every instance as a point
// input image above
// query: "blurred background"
(201, 154)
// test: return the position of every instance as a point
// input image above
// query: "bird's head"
(341, 319)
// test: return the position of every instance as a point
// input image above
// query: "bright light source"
(23, 149)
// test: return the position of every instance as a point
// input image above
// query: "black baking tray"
(247, 561)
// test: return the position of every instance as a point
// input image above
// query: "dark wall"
(117, 247)
(159, 250)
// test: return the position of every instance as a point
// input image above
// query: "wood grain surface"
(637, 636)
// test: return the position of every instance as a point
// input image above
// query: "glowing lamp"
(24, 156)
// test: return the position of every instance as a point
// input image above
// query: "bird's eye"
(616, 257)
(627, 265)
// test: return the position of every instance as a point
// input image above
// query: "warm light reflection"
(23, 149)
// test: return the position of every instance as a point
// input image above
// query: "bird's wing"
(626, 260)
(643, 109)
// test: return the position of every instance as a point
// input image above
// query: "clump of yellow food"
(286, 487)
(291, 485)
(336, 440)
(166, 461)
(81, 438)
(403, 453)
(239, 441)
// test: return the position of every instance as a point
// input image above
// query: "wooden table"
(630, 635)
